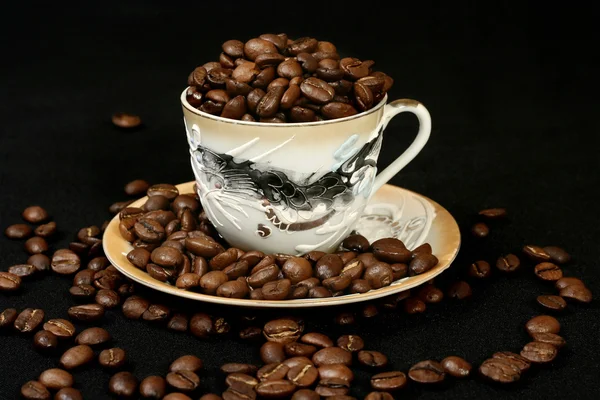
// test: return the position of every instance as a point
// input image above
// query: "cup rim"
(189, 107)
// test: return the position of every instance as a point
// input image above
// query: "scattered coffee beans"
(124, 120)
(18, 231)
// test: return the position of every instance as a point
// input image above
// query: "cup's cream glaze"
(297, 187)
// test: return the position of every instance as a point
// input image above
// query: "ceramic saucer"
(391, 212)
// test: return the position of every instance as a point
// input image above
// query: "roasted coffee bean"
(539, 352)
(34, 390)
(188, 281)
(338, 110)
(156, 202)
(391, 250)
(117, 207)
(203, 246)
(139, 258)
(88, 235)
(177, 396)
(46, 230)
(244, 73)
(65, 262)
(107, 279)
(126, 213)
(222, 260)
(413, 305)
(295, 361)
(353, 68)
(156, 313)
(41, 262)
(577, 292)
(82, 291)
(98, 263)
(430, 294)
(250, 333)
(86, 312)
(126, 229)
(295, 349)
(272, 352)
(136, 187)
(112, 358)
(255, 47)
(508, 263)
(499, 370)
(56, 378)
(45, 341)
(514, 359)
(542, 323)
(93, 336)
(568, 281)
(276, 290)
(389, 381)
(344, 319)
(456, 366)
(36, 245)
(332, 355)
(282, 330)
(179, 322)
(237, 289)
(493, 213)
(201, 325)
(167, 257)
(306, 394)
(35, 214)
(427, 372)
(480, 230)
(125, 120)
(186, 363)
(372, 358)
(480, 269)
(76, 356)
(153, 387)
(379, 275)
(60, 328)
(278, 389)
(303, 45)
(551, 302)
(422, 263)
(159, 273)
(353, 269)
(317, 90)
(233, 48)
(9, 282)
(163, 189)
(8, 317)
(301, 114)
(18, 231)
(337, 283)
(272, 371)
(363, 95)
(289, 69)
(536, 254)
(22, 270)
(369, 311)
(123, 384)
(29, 320)
(212, 280)
(557, 254)
(379, 396)
(234, 108)
(550, 338)
(264, 275)
(269, 103)
(317, 339)
(352, 343)
(548, 271)
(108, 298)
(231, 368)
(303, 376)
(459, 290)
(149, 230)
(68, 393)
(332, 387)
(336, 371)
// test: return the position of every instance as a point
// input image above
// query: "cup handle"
(390, 111)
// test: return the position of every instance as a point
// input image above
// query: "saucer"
(391, 212)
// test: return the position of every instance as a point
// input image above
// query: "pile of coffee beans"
(276, 79)
(174, 242)
(295, 364)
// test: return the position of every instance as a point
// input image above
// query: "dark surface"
(512, 91)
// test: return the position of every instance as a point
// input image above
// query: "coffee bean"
(108, 298)
(176, 396)
(480, 230)
(493, 213)
(557, 254)
(568, 281)
(264, 275)
(427, 372)
(542, 323)
(430, 294)
(550, 338)
(272, 352)
(76, 356)
(508, 263)
(125, 120)
(65, 262)
(379, 275)
(60, 327)
(303, 376)
(123, 384)
(22, 270)
(201, 325)
(344, 319)
(536, 253)
(233, 48)
(18, 231)
(45, 341)
(203, 246)
(352, 343)
(459, 290)
(373, 359)
(499, 370)
(237, 289)
(577, 292)
(231, 368)
(282, 330)
(163, 189)
(156, 202)
(354, 269)
(29, 320)
(56, 379)
(149, 230)
(112, 358)
(289, 69)
(277, 389)
(41, 262)
(82, 291)
(422, 263)
(136, 187)
(456, 366)
(317, 339)
(413, 305)
(139, 258)
(539, 352)
(255, 47)
(276, 290)
(391, 250)
(369, 311)
(117, 207)
(356, 243)
(186, 363)
(183, 380)
(34, 390)
(480, 269)
(379, 396)
(9, 282)
(8, 317)
(332, 355)
(332, 387)
(156, 313)
(337, 283)
(153, 387)
(126, 229)
(68, 394)
(36, 245)
(35, 214)
(303, 45)
(93, 336)
(551, 302)
(317, 90)
(548, 271)
(86, 312)
(99, 263)
(514, 359)
(272, 371)
(338, 110)
(363, 95)
(389, 381)
(305, 394)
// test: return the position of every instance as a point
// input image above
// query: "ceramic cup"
(295, 187)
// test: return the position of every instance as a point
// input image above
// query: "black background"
(512, 91)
